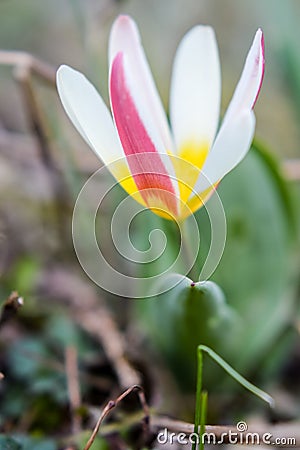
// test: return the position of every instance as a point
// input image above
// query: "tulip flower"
(171, 169)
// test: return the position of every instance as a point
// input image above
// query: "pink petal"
(147, 166)
(125, 38)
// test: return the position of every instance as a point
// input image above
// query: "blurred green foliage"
(255, 273)
(185, 316)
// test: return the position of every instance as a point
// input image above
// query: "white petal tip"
(259, 36)
(124, 33)
(123, 22)
(64, 68)
(260, 61)
(259, 32)
(202, 30)
(124, 18)
(64, 71)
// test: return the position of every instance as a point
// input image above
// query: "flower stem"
(188, 251)
(198, 394)
(203, 419)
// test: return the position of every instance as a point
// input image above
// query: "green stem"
(188, 251)
(201, 397)
(198, 394)
(202, 419)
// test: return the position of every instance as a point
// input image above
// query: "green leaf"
(201, 396)
(99, 443)
(7, 443)
(185, 316)
(235, 375)
(24, 358)
(33, 443)
(256, 267)
(28, 363)
(23, 275)
(280, 184)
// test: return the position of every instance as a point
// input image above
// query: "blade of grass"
(201, 397)
(236, 376)
(198, 394)
(203, 419)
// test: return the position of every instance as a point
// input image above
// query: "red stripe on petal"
(249, 85)
(146, 165)
(261, 55)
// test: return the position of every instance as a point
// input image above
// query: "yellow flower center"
(187, 167)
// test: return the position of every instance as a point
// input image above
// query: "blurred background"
(71, 347)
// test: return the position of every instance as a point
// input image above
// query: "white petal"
(249, 85)
(230, 147)
(125, 38)
(196, 88)
(89, 114)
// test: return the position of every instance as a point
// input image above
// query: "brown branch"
(30, 63)
(100, 323)
(36, 117)
(72, 375)
(112, 404)
(24, 66)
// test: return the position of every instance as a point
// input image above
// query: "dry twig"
(112, 404)
(100, 323)
(35, 115)
(24, 67)
(29, 62)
